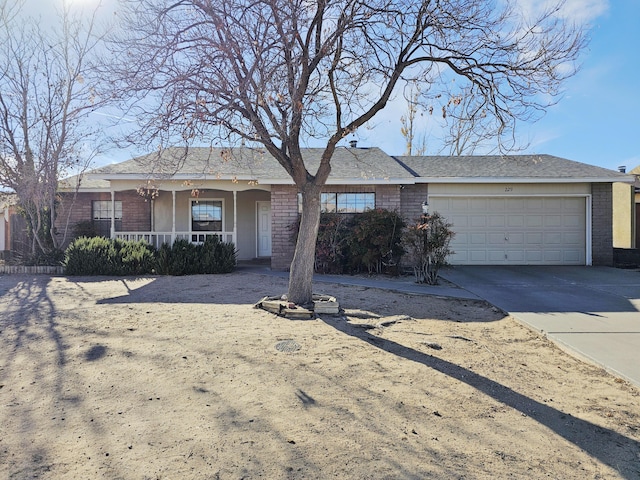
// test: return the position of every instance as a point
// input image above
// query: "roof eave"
(626, 179)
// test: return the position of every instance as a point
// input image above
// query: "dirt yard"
(180, 378)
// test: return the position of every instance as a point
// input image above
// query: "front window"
(206, 216)
(344, 202)
(101, 215)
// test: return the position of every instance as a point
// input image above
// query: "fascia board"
(626, 179)
(345, 181)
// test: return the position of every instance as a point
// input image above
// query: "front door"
(264, 229)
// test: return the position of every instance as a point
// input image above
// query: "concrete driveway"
(593, 312)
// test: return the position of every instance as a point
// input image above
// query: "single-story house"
(515, 209)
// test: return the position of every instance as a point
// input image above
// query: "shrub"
(354, 242)
(186, 258)
(90, 256)
(135, 258)
(217, 256)
(332, 243)
(427, 243)
(103, 256)
(375, 242)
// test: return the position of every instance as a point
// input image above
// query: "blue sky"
(597, 121)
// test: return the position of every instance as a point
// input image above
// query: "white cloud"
(580, 11)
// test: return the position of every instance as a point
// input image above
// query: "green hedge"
(186, 258)
(103, 256)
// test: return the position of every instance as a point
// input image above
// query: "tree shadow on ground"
(603, 444)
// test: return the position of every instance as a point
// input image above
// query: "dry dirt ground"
(180, 378)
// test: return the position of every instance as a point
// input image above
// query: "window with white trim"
(206, 215)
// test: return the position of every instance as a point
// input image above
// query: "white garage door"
(515, 230)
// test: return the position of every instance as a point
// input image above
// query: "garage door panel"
(553, 238)
(459, 205)
(553, 256)
(533, 256)
(515, 256)
(553, 221)
(477, 238)
(495, 239)
(573, 238)
(515, 221)
(495, 221)
(534, 238)
(572, 221)
(478, 221)
(459, 221)
(496, 256)
(515, 238)
(518, 230)
(534, 221)
(478, 256)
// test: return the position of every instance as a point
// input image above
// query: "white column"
(235, 217)
(113, 214)
(173, 217)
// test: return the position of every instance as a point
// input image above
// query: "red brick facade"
(136, 212)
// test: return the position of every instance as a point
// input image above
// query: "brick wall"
(284, 213)
(411, 198)
(136, 212)
(602, 224)
(388, 197)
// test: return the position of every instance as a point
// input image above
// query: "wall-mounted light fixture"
(425, 207)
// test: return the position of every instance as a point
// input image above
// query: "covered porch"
(233, 212)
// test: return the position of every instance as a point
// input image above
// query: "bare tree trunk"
(301, 274)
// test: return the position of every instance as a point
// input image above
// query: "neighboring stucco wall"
(623, 216)
(602, 224)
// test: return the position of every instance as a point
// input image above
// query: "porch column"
(113, 214)
(173, 216)
(235, 217)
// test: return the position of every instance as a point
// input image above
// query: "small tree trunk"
(301, 274)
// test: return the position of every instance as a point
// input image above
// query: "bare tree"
(45, 96)
(413, 146)
(278, 72)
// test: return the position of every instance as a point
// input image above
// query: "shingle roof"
(367, 164)
(351, 165)
(508, 167)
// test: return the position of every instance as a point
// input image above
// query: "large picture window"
(344, 202)
(206, 216)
